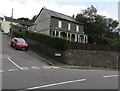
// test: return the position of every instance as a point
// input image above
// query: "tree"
(111, 23)
(94, 24)
(97, 26)
(90, 13)
(114, 24)
(34, 18)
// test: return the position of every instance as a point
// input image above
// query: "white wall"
(42, 24)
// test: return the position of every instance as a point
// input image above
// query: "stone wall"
(103, 59)
(47, 50)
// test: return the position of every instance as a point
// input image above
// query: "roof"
(19, 27)
(1, 18)
(58, 15)
(18, 21)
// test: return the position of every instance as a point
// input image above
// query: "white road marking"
(55, 67)
(46, 67)
(1, 71)
(35, 67)
(55, 84)
(12, 69)
(15, 64)
(25, 68)
(90, 70)
(49, 67)
(110, 76)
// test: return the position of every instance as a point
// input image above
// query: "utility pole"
(12, 13)
(11, 22)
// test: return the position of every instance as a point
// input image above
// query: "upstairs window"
(69, 26)
(60, 24)
(77, 28)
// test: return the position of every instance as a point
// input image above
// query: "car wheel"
(11, 45)
(16, 48)
(26, 49)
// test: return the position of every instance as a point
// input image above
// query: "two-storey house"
(59, 25)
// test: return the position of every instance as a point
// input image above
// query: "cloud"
(29, 8)
(105, 13)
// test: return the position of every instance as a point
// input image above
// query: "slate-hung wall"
(59, 25)
(69, 30)
(65, 25)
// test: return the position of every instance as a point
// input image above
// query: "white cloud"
(29, 8)
(105, 13)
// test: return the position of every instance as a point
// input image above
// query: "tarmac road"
(24, 70)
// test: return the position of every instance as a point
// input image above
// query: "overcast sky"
(29, 8)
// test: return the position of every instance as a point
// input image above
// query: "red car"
(19, 43)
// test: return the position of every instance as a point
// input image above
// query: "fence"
(93, 47)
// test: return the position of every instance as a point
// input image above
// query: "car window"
(15, 40)
(21, 40)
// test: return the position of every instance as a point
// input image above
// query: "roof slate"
(1, 18)
(18, 21)
(58, 15)
(19, 27)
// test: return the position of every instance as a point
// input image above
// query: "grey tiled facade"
(59, 25)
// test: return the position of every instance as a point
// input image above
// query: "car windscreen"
(21, 40)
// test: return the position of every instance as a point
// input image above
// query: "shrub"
(100, 40)
(55, 42)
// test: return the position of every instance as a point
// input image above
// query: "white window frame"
(77, 28)
(69, 26)
(60, 24)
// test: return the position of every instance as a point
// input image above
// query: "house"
(10, 24)
(1, 19)
(59, 25)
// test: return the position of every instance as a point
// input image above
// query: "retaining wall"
(103, 59)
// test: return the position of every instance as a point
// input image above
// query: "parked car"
(19, 43)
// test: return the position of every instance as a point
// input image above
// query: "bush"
(55, 42)
(16, 34)
(116, 42)
(103, 40)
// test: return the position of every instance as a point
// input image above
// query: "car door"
(14, 42)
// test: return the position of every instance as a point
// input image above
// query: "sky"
(29, 8)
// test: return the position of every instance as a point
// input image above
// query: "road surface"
(26, 71)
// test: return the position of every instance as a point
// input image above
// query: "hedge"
(103, 40)
(55, 42)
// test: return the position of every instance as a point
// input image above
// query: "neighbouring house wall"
(0, 23)
(42, 24)
(5, 26)
(31, 28)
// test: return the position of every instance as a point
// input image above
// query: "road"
(24, 70)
